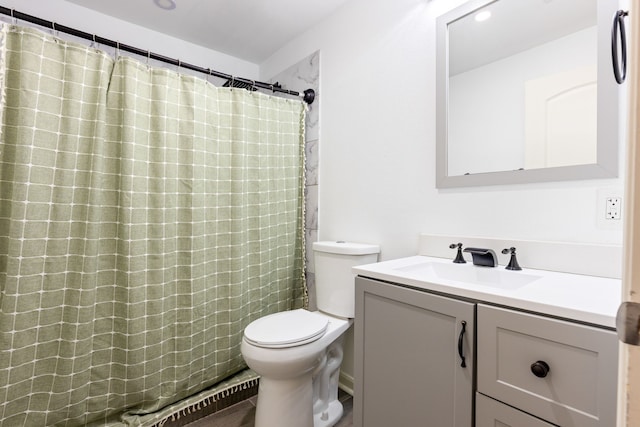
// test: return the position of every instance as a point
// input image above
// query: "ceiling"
(251, 30)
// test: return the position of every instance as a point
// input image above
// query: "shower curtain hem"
(241, 381)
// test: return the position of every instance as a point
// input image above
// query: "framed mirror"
(526, 94)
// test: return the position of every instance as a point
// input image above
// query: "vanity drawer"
(580, 386)
(491, 413)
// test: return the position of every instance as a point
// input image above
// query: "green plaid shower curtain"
(146, 217)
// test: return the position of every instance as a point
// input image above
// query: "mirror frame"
(608, 94)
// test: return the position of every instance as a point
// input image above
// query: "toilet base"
(329, 417)
(285, 403)
(289, 404)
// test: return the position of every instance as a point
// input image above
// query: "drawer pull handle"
(540, 369)
(460, 342)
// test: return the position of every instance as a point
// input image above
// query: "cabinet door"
(408, 371)
(491, 413)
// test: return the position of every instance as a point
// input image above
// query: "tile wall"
(299, 77)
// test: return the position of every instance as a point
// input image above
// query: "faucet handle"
(513, 262)
(459, 258)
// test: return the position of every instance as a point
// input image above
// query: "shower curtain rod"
(308, 95)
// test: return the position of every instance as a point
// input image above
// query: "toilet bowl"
(298, 353)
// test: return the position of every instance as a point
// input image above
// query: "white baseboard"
(345, 383)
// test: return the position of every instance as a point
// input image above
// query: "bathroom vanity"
(446, 344)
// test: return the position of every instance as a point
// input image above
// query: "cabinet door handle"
(460, 342)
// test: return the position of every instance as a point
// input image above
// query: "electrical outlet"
(613, 208)
(608, 205)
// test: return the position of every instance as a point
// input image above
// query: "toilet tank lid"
(346, 248)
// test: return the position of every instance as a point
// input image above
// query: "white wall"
(377, 151)
(74, 16)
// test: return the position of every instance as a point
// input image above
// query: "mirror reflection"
(527, 95)
(522, 79)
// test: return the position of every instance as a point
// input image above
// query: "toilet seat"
(286, 329)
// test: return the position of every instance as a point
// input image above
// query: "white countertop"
(582, 298)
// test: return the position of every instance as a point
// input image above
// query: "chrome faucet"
(483, 257)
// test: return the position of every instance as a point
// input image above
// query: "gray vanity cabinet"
(413, 373)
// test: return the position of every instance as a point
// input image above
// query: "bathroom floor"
(242, 414)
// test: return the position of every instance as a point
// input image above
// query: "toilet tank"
(335, 282)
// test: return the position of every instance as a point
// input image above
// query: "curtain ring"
(117, 49)
(148, 57)
(232, 82)
(13, 17)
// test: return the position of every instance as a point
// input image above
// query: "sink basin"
(471, 274)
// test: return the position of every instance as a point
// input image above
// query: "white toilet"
(298, 353)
